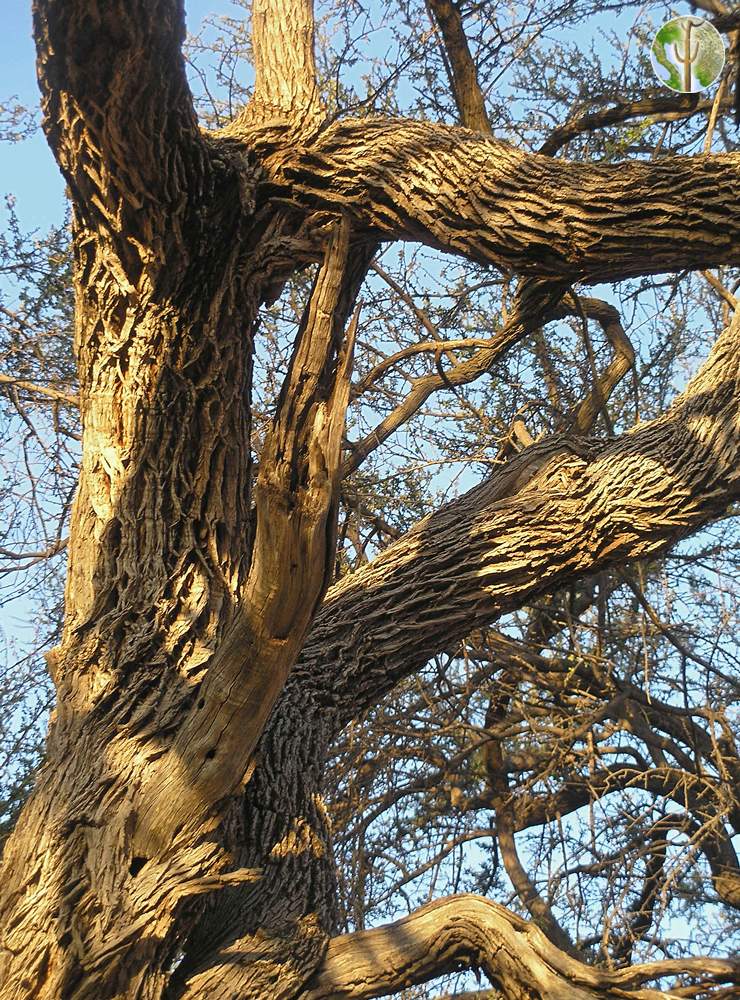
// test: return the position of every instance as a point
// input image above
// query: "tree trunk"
(159, 856)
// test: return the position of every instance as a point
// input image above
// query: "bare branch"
(460, 66)
(473, 932)
(40, 390)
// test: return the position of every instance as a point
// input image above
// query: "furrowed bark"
(120, 120)
(182, 618)
(296, 496)
(285, 71)
(561, 509)
(469, 194)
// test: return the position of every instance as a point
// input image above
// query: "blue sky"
(27, 168)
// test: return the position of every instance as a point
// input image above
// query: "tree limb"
(296, 495)
(284, 64)
(472, 932)
(470, 194)
(558, 511)
(118, 112)
(460, 66)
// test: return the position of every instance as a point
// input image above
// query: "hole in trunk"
(136, 865)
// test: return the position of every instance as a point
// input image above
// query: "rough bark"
(184, 612)
(466, 193)
(474, 932)
(558, 511)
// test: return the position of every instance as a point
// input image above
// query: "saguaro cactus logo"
(688, 54)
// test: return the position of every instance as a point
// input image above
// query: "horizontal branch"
(684, 105)
(473, 932)
(40, 390)
(466, 193)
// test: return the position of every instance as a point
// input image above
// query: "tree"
(176, 842)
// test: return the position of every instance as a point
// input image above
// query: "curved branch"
(501, 802)
(684, 105)
(624, 356)
(534, 302)
(473, 932)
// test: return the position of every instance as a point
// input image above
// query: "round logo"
(687, 54)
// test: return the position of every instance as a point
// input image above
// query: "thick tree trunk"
(140, 866)
(159, 552)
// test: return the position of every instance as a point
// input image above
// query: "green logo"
(688, 54)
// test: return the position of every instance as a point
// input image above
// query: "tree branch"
(684, 105)
(534, 302)
(460, 66)
(472, 932)
(469, 194)
(559, 510)
(296, 497)
(118, 112)
(501, 802)
(284, 64)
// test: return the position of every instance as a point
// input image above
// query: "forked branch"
(296, 497)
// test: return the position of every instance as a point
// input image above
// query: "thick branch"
(117, 108)
(469, 194)
(558, 511)
(296, 498)
(285, 70)
(474, 932)
(461, 68)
